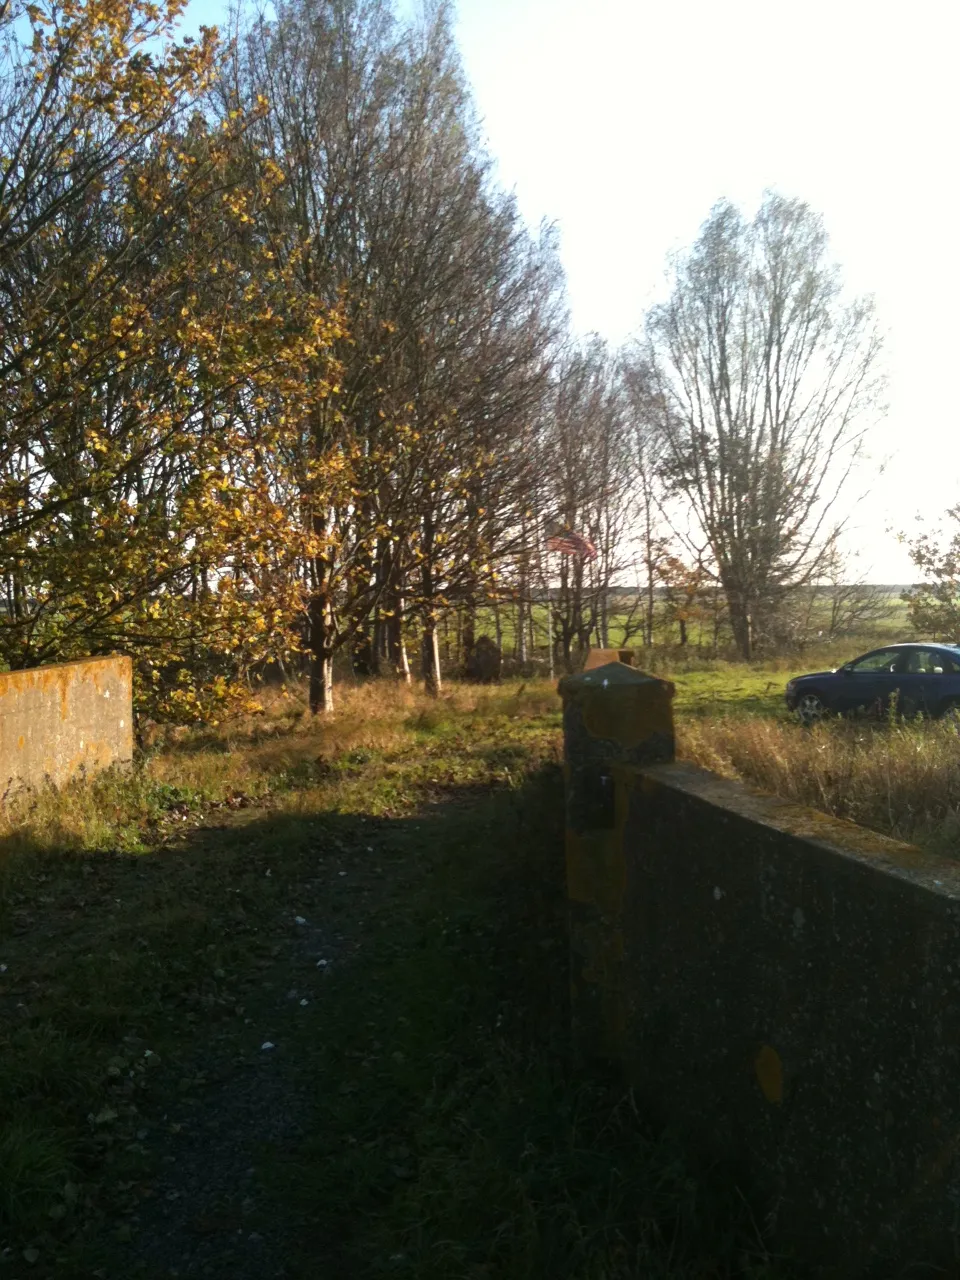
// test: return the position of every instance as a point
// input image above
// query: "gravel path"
(203, 1211)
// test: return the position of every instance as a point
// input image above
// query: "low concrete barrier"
(56, 721)
(780, 987)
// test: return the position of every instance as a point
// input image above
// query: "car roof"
(919, 644)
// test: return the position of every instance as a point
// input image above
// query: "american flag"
(572, 544)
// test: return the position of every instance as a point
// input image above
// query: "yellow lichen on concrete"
(791, 818)
(621, 704)
(769, 1072)
(628, 719)
(601, 657)
(56, 721)
(596, 870)
(612, 713)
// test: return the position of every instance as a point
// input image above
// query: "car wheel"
(951, 715)
(811, 708)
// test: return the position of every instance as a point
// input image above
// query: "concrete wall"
(782, 988)
(57, 720)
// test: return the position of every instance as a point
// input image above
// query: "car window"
(930, 662)
(882, 660)
(924, 662)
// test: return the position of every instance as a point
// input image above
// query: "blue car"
(915, 679)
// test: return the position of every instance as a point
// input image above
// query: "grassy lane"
(290, 1002)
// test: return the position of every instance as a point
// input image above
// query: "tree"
(586, 454)
(840, 603)
(651, 538)
(273, 343)
(334, 76)
(141, 488)
(765, 382)
(933, 605)
(447, 301)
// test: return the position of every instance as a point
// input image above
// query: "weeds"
(899, 778)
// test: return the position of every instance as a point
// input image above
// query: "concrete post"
(600, 658)
(616, 720)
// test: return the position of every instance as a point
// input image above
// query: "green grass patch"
(730, 689)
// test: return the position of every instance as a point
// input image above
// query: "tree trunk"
(740, 623)
(650, 604)
(321, 655)
(379, 637)
(468, 636)
(394, 606)
(378, 645)
(429, 650)
(396, 645)
(566, 649)
(363, 650)
(430, 656)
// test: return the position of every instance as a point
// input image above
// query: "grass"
(498, 1159)
(419, 1117)
(900, 778)
(666, 631)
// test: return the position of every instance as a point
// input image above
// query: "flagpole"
(541, 556)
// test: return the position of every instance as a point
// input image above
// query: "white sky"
(624, 120)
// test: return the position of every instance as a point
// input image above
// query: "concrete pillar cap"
(611, 674)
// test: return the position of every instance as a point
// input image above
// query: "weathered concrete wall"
(784, 989)
(793, 999)
(57, 720)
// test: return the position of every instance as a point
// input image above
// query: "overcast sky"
(622, 121)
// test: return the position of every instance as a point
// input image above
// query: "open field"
(378, 898)
(891, 627)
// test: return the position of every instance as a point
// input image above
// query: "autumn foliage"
(251, 409)
(157, 366)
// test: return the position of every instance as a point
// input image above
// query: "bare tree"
(587, 494)
(765, 381)
(650, 534)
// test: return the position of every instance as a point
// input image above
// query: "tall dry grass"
(283, 753)
(901, 779)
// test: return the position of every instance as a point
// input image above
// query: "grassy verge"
(901, 779)
(378, 897)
